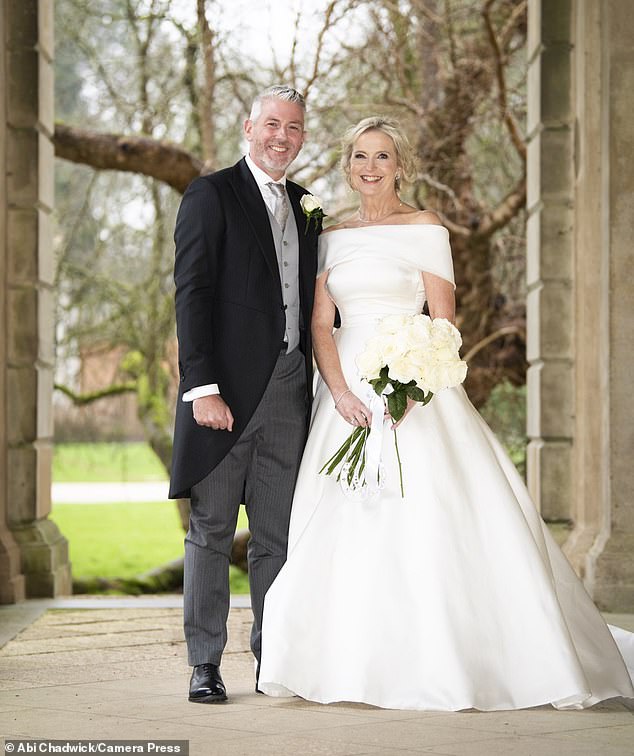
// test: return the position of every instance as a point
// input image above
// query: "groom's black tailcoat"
(229, 310)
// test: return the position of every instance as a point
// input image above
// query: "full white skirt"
(453, 597)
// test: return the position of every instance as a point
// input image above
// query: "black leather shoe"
(206, 685)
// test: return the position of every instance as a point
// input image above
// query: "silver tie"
(281, 203)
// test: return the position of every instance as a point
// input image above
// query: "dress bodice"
(375, 271)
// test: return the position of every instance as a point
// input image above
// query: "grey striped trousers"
(260, 469)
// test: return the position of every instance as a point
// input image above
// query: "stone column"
(11, 578)
(581, 284)
(601, 546)
(550, 323)
(28, 276)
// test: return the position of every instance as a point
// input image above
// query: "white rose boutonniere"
(312, 208)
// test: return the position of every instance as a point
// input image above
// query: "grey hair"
(405, 156)
(280, 92)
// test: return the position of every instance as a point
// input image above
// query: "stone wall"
(581, 288)
(549, 265)
(602, 545)
(11, 578)
(27, 353)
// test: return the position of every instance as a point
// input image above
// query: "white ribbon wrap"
(375, 439)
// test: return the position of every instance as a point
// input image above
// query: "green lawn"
(106, 462)
(120, 540)
(123, 540)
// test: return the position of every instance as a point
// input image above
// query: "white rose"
(392, 350)
(378, 344)
(444, 353)
(409, 337)
(440, 376)
(443, 330)
(417, 336)
(419, 358)
(310, 202)
(401, 369)
(458, 373)
(369, 363)
(433, 378)
(422, 326)
(427, 377)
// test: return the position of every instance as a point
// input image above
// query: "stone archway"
(581, 290)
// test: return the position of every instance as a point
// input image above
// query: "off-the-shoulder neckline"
(385, 225)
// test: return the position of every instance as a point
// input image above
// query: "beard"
(271, 160)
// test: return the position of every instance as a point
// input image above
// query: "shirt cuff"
(199, 391)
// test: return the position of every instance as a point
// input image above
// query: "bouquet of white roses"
(409, 357)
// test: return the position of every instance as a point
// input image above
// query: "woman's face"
(373, 164)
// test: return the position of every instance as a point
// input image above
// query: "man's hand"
(212, 412)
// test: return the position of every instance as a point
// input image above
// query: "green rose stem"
(336, 458)
(400, 468)
(315, 216)
(356, 453)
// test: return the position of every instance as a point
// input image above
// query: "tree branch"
(504, 331)
(81, 400)
(207, 93)
(293, 55)
(158, 159)
(499, 60)
(439, 186)
(69, 238)
(319, 48)
(509, 28)
(508, 208)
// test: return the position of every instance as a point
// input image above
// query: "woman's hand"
(410, 405)
(353, 410)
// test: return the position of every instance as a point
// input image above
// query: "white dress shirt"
(262, 179)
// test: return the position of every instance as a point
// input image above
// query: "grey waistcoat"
(287, 251)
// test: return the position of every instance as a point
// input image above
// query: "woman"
(454, 596)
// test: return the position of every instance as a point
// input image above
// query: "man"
(245, 273)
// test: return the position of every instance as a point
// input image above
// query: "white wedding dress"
(453, 597)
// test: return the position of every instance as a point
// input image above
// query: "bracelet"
(341, 396)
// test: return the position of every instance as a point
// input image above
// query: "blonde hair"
(405, 157)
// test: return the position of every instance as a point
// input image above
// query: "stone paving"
(116, 670)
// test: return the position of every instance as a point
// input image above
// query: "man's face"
(276, 136)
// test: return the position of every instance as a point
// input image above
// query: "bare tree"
(115, 285)
(452, 72)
